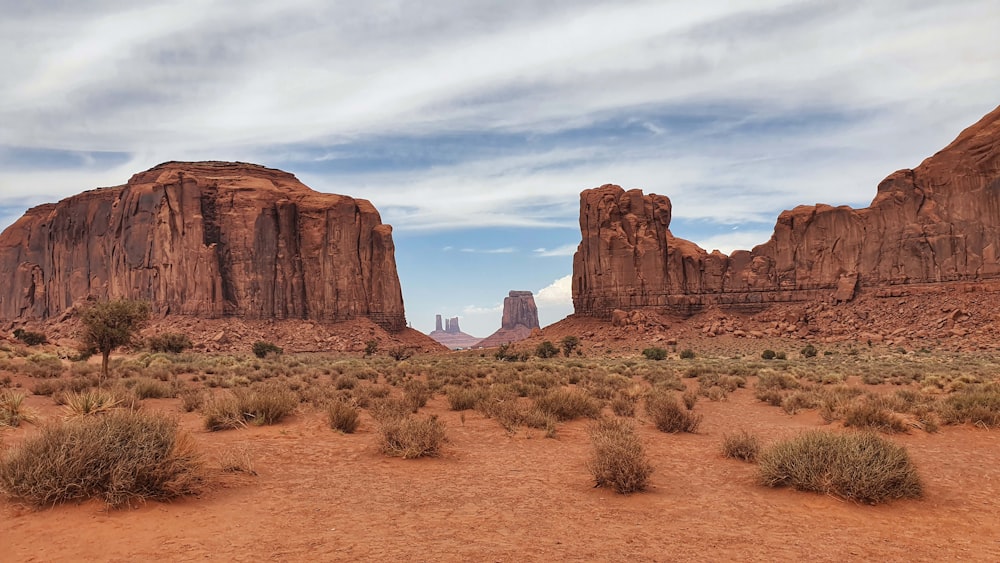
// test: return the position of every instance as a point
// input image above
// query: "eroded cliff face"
(939, 222)
(520, 318)
(208, 239)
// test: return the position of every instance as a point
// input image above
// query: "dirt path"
(324, 496)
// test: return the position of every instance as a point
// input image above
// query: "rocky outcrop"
(937, 223)
(451, 335)
(520, 317)
(206, 239)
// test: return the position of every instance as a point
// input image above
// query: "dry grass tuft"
(123, 457)
(743, 445)
(409, 437)
(12, 409)
(618, 460)
(669, 415)
(342, 417)
(567, 404)
(863, 467)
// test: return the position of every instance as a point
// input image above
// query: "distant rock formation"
(452, 336)
(520, 317)
(939, 222)
(205, 239)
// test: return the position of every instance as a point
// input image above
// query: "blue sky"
(473, 125)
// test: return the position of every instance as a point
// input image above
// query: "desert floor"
(321, 495)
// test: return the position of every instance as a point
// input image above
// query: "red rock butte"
(935, 224)
(206, 239)
(520, 318)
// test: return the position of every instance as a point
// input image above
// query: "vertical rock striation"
(208, 239)
(939, 222)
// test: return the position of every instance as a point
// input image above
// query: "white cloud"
(477, 310)
(504, 250)
(733, 240)
(564, 250)
(555, 301)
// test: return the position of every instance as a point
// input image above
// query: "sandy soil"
(324, 496)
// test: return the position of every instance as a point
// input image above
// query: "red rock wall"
(205, 239)
(936, 223)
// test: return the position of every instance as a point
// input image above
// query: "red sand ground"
(325, 496)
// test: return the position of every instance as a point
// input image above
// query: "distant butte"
(935, 224)
(451, 335)
(520, 318)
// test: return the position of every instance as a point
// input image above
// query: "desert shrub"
(716, 393)
(410, 437)
(122, 458)
(371, 347)
(690, 399)
(872, 415)
(464, 398)
(781, 356)
(262, 349)
(668, 415)
(30, 338)
(687, 354)
(342, 417)
(505, 353)
(742, 445)
(779, 381)
(12, 409)
(797, 401)
(569, 344)
(400, 353)
(975, 404)
(262, 405)
(237, 460)
(808, 351)
(388, 407)
(43, 365)
(566, 404)
(618, 460)
(171, 342)
(146, 388)
(416, 394)
(191, 399)
(863, 467)
(546, 350)
(624, 403)
(90, 402)
(345, 381)
(768, 354)
(654, 353)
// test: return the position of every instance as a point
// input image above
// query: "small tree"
(569, 343)
(371, 347)
(112, 324)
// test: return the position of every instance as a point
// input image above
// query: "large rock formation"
(520, 317)
(207, 239)
(939, 222)
(451, 335)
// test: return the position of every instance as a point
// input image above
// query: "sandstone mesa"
(209, 240)
(934, 224)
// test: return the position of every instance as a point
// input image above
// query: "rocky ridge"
(927, 228)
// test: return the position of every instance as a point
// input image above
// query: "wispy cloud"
(505, 250)
(564, 250)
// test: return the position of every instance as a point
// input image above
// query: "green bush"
(169, 342)
(768, 354)
(546, 350)
(655, 353)
(863, 467)
(262, 348)
(122, 457)
(618, 460)
(687, 354)
(569, 343)
(30, 338)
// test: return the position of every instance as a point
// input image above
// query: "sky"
(473, 125)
